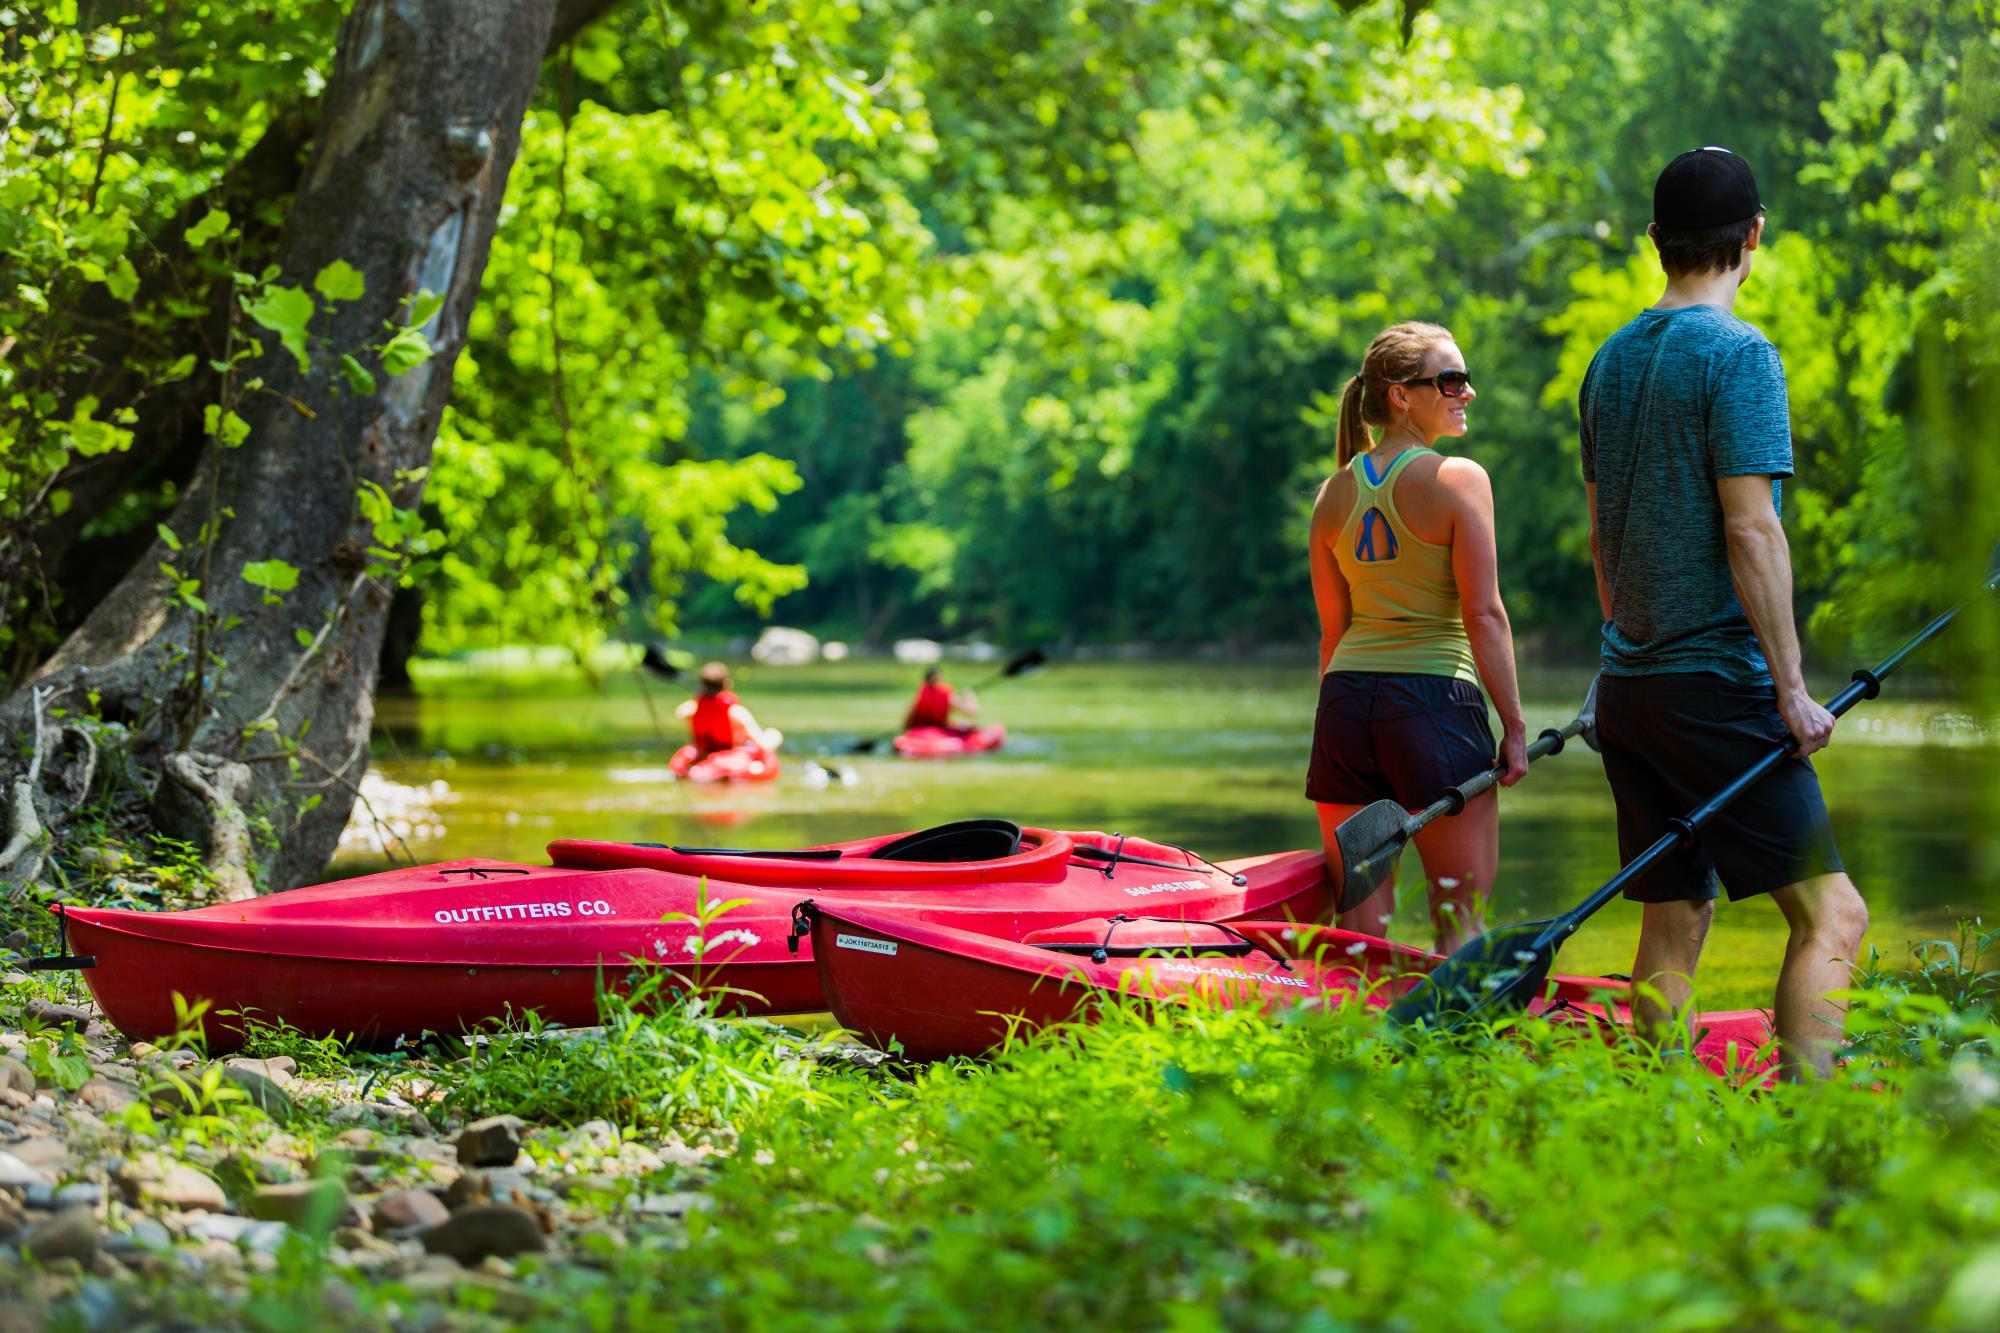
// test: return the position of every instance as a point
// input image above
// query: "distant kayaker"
(936, 702)
(1686, 438)
(1411, 625)
(717, 720)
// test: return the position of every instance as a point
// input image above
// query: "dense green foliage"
(1199, 1168)
(1025, 319)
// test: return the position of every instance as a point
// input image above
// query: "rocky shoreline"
(127, 1171)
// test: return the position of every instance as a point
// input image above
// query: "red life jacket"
(932, 708)
(711, 727)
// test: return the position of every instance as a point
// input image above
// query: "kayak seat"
(960, 840)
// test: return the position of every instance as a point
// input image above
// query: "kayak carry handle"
(791, 854)
(803, 916)
(73, 962)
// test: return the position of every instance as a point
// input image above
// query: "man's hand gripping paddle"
(1372, 836)
(1504, 969)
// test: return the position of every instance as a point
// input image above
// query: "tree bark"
(420, 125)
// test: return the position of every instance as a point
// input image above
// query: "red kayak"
(943, 742)
(942, 992)
(739, 763)
(445, 947)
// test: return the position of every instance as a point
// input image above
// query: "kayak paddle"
(1372, 836)
(1504, 969)
(1020, 664)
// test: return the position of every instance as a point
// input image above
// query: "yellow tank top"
(1404, 598)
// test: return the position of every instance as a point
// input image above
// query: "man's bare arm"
(1760, 565)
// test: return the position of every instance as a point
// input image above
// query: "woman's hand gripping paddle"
(1504, 970)
(1020, 665)
(1372, 836)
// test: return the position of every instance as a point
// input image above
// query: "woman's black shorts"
(1669, 742)
(1400, 738)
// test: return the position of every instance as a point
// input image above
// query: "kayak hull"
(450, 946)
(936, 993)
(741, 763)
(946, 742)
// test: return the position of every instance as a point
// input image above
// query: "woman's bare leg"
(1372, 916)
(1461, 854)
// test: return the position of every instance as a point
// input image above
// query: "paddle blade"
(1588, 715)
(1025, 662)
(1364, 837)
(1493, 974)
(655, 661)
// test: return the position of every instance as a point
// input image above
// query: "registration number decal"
(866, 945)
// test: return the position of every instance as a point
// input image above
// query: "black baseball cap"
(1704, 188)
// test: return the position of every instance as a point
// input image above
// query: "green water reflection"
(1209, 754)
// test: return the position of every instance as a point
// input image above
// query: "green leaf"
(59, 500)
(179, 370)
(358, 378)
(285, 311)
(123, 280)
(405, 351)
(212, 225)
(340, 281)
(304, 637)
(272, 575)
(423, 306)
(227, 427)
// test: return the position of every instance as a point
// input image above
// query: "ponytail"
(1396, 354)
(1351, 434)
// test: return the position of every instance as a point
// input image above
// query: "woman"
(1411, 625)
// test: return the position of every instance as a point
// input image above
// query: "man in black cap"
(1686, 440)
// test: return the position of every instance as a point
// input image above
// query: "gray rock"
(19, 941)
(494, 1141)
(184, 1187)
(263, 1090)
(15, 1075)
(278, 1068)
(55, 1014)
(406, 1209)
(47, 1153)
(146, 1234)
(79, 1194)
(105, 1096)
(673, 1205)
(17, 1174)
(99, 1303)
(70, 1234)
(301, 1203)
(485, 1229)
(221, 1226)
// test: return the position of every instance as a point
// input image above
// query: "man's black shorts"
(1386, 737)
(1669, 743)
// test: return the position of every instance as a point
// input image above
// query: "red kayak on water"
(739, 763)
(944, 742)
(449, 946)
(940, 991)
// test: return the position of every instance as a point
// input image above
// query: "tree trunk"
(167, 440)
(420, 124)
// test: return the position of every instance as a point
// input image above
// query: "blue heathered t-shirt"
(1673, 401)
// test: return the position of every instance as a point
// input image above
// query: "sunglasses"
(1450, 383)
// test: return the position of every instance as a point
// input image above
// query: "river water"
(1210, 755)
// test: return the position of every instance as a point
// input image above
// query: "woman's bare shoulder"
(1336, 497)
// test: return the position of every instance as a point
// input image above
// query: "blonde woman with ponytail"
(1411, 627)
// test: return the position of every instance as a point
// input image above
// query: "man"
(1686, 441)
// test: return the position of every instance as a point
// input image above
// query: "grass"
(1196, 1168)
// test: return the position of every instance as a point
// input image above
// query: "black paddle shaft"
(1455, 799)
(1685, 830)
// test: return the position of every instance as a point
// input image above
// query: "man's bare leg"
(1670, 940)
(1828, 919)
